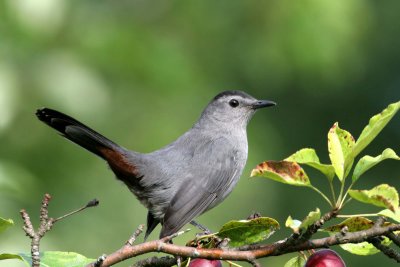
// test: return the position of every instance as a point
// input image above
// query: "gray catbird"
(185, 178)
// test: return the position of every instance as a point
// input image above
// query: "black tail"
(76, 131)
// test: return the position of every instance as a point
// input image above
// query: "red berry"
(205, 263)
(325, 258)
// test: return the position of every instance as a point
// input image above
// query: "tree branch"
(255, 252)
(391, 253)
(311, 230)
(156, 262)
(377, 242)
(46, 223)
(296, 242)
(395, 238)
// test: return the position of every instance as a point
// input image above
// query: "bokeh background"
(140, 72)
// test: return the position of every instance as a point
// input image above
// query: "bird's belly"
(156, 199)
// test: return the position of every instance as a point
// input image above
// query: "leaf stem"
(340, 198)
(332, 191)
(234, 264)
(323, 195)
(357, 215)
(347, 201)
(342, 203)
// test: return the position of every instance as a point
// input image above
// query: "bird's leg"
(177, 257)
(201, 227)
(178, 261)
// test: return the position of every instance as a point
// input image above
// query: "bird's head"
(233, 108)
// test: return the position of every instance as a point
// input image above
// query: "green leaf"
(298, 226)
(5, 223)
(309, 157)
(311, 218)
(294, 224)
(295, 262)
(340, 146)
(376, 124)
(282, 171)
(363, 248)
(390, 214)
(246, 232)
(59, 258)
(356, 224)
(367, 162)
(382, 196)
(8, 256)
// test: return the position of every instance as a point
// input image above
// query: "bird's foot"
(205, 230)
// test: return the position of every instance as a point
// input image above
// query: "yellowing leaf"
(375, 125)
(390, 214)
(353, 224)
(356, 224)
(367, 162)
(309, 157)
(382, 196)
(282, 171)
(340, 146)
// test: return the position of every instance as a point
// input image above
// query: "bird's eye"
(233, 103)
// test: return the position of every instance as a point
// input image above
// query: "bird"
(185, 178)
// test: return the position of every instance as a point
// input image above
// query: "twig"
(129, 244)
(169, 238)
(100, 260)
(312, 229)
(156, 262)
(391, 253)
(377, 242)
(28, 227)
(395, 238)
(379, 222)
(254, 263)
(135, 235)
(46, 223)
(92, 203)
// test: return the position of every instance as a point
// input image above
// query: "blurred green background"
(140, 72)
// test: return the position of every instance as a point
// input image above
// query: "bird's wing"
(215, 170)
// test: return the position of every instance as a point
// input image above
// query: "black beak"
(262, 104)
